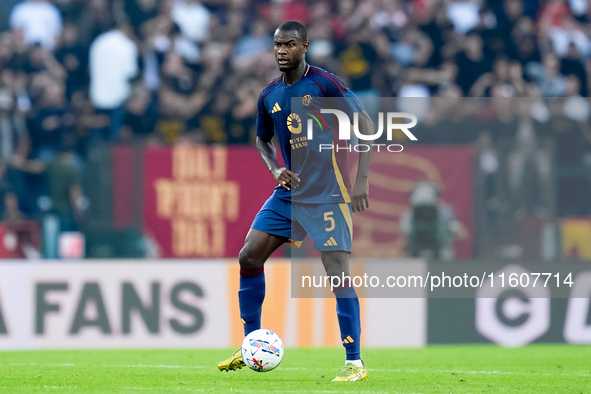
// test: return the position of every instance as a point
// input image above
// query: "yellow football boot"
(352, 373)
(233, 363)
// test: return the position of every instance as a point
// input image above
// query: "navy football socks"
(250, 299)
(349, 321)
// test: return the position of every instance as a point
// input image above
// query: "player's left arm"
(360, 193)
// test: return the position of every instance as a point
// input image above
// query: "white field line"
(453, 371)
(401, 370)
(105, 365)
(212, 389)
(165, 366)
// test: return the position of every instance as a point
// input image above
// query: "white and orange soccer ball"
(262, 350)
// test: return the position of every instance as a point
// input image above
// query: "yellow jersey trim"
(337, 173)
(347, 215)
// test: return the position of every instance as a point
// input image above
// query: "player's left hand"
(360, 195)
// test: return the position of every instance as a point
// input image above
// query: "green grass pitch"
(434, 369)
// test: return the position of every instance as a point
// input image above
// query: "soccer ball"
(262, 350)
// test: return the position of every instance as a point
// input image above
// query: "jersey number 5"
(328, 218)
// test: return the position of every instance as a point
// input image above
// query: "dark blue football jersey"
(324, 173)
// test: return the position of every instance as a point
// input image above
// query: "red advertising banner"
(392, 177)
(200, 201)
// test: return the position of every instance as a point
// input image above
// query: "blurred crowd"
(76, 73)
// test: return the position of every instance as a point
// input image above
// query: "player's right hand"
(286, 178)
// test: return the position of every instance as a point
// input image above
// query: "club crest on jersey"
(307, 100)
(294, 123)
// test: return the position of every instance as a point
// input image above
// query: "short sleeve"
(347, 101)
(264, 122)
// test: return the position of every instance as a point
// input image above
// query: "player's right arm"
(265, 131)
(282, 175)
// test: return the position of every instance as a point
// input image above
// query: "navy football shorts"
(329, 225)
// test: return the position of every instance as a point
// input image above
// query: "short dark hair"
(294, 26)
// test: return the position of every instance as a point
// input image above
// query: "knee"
(248, 260)
(335, 263)
(335, 270)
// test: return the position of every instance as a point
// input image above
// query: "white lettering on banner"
(524, 315)
(114, 304)
(91, 311)
(576, 328)
(516, 320)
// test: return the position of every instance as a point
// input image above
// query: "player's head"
(290, 43)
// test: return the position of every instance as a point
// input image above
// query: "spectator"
(113, 63)
(529, 167)
(95, 18)
(321, 51)
(414, 48)
(547, 76)
(140, 11)
(10, 208)
(575, 106)
(193, 18)
(74, 58)
(579, 8)
(552, 16)
(489, 183)
(278, 11)
(162, 34)
(570, 33)
(52, 123)
(16, 83)
(231, 25)
(215, 66)
(358, 61)
(524, 43)
(508, 16)
(441, 33)
(41, 66)
(14, 146)
(249, 47)
(472, 63)
(216, 122)
(243, 126)
(389, 18)
(67, 199)
(179, 98)
(505, 73)
(6, 50)
(40, 21)
(572, 65)
(464, 15)
(141, 114)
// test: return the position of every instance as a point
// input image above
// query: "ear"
(305, 46)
